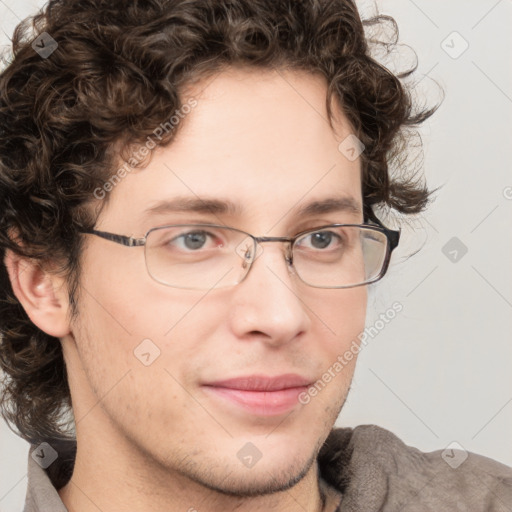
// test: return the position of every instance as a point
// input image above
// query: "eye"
(320, 240)
(195, 241)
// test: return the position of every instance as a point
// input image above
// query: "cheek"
(132, 320)
(338, 320)
(138, 347)
(340, 313)
(153, 331)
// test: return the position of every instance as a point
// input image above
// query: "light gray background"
(440, 371)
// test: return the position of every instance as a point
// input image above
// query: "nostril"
(258, 333)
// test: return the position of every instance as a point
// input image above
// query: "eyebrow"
(331, 205)
(193, 205)
(227, 207)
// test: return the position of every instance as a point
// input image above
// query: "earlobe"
(42, 294)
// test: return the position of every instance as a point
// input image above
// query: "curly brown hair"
(118, 72)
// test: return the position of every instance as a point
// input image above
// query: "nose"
(267, 303)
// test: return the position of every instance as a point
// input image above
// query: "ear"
(42, 295)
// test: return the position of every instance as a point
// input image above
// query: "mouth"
(260, 395)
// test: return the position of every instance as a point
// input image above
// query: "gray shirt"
(370, 466)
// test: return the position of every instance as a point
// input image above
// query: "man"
(189, 195)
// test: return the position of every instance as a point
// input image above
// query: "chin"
(260, 480)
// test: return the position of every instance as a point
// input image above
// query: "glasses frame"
(392, 236)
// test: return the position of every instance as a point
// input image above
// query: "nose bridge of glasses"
(283, 239)
(249, 256)
(260, 239)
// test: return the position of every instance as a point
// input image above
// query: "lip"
(260, 395)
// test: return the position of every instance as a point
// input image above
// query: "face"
(261, 142)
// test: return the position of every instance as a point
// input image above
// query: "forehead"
(258, 139)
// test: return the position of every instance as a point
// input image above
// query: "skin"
(152, 433)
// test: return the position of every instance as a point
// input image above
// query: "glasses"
(207, 256)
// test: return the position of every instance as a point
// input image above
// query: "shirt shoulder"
(377, 471)
(50, 465)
